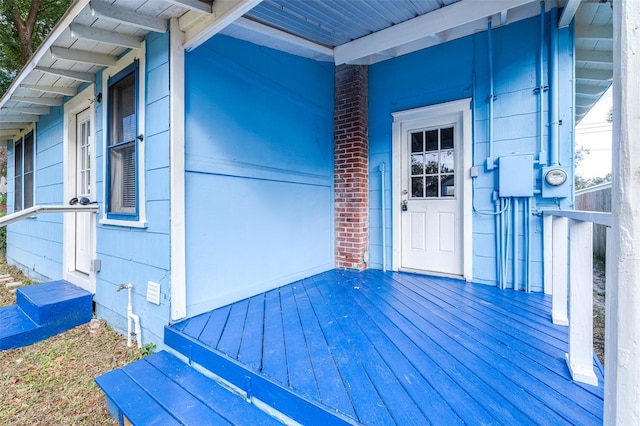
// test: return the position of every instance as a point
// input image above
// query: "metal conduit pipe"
(384, 225)
(490, 160)
(542, 156)
(554, 146)
(527, 222)
(498, 241)
(515, 249)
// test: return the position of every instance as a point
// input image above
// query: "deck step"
(42, 311)
(284, 400)
(161, 389)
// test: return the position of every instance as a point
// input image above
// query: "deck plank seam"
(516, 366)
(497, 380)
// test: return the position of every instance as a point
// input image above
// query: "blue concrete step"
(42, 311)
(160, 389)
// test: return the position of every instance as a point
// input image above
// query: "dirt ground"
(51, 382)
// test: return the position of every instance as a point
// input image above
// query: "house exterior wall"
(140, 255)
(446, 73)
(259, 170)
(35, 244)
(127, 254)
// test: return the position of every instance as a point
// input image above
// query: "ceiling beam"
(19, 118)
(195, 5)
(87, 77)
(100, 9)
(59, 90)
(595, 91)
(52, 102)
(76, 8)
(456, 14)
(31, 110)
(199, 28)
(83, 56)
(594, 32)
(104, 36)
(8, 133)
(17, 126)
(594, 75)
(503, 17)
(280, 40)
(595, 56)
(568, 13)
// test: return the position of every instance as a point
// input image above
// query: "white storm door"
(431, 212)
(83, 221)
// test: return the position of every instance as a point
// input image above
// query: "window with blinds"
(23, 155)
(122, 145)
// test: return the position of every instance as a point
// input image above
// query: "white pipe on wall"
(384, 225)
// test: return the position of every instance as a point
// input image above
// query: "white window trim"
(462, 109)
(124, 62)
(19, 137)
(83, 100)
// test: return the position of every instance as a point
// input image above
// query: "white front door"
(83, 221)
(431, 193)
(431, 209)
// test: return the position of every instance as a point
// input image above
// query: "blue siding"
(259, 160)
(445, 73)
(140, 255)
(127, 254)
(35, 244)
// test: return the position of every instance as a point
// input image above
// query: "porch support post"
(547, 253)
(559, 271)
(178, 245)
(351, 167)
(622, 333)
(580, 356)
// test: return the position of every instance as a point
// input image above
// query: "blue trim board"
(394, 348)
(42, 311)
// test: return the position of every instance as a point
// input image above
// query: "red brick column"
(351, 166)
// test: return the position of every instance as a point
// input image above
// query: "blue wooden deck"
(394, 348)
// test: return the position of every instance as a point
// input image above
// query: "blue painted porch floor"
(42, 311)
(394, 348)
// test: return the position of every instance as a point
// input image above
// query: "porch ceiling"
(93, 34)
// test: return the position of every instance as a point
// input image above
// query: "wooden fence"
(596, 199)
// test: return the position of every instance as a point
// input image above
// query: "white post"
(622, 334)
(547, 253)
(559, 271)
(580, 356)
(177, 179)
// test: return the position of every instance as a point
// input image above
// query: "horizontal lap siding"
(131, 254)
(36, 243)
(259, 170)
(445, 73)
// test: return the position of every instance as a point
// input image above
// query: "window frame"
(132, 68)
(20, 140)
(108, 76)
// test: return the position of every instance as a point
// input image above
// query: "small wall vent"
(153, 292)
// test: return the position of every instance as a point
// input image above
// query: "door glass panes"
(84, 159)
(433, 163)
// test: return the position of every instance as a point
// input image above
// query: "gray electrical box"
(515, 173)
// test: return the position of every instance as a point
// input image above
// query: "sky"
(594, 134)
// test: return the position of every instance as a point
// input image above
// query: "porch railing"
(568, 276)
(35, 210)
